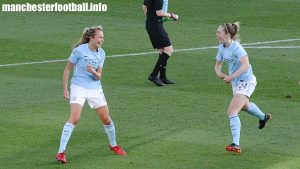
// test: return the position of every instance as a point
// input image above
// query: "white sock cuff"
(70, 125)
(110, 125)
(232, 115)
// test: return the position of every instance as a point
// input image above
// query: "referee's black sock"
(157, 66)
(163, 65)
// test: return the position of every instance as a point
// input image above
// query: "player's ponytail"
(87, 34)
(236, 28)
(232, 29)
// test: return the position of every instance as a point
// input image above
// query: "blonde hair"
(232, 29)
(88, 33)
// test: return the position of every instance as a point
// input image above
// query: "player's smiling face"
(221, 36)
(97, 40)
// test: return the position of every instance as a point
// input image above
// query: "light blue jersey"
(165, 6)
(232, 56)
(81, 57)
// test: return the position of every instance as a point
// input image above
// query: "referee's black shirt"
(152, 7)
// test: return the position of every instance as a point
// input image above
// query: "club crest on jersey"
(228, 60)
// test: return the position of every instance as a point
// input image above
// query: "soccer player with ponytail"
(241, 78)
(87, 60)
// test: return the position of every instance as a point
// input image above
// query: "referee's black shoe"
(167, 81)
(156, 80)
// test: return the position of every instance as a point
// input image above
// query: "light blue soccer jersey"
(165, 6)
(232, 56)
(81, 57)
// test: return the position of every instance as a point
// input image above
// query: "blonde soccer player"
(241, 78)
(87, 61)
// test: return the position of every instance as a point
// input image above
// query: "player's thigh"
(76, 110)
(237, 103)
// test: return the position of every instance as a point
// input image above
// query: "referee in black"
(155, 10)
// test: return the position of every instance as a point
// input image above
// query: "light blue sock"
(65, 136)
(111, 133)
(235, 125)
(255, 111)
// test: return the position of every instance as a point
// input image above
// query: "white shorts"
(244, 88)
(95, 97)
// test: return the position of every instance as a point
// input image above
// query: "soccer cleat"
(118, 150)
(167, 81)
(233, 147)
(262, 123)
(61, 157)
(155, 80)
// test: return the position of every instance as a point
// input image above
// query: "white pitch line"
(32, 63)
(131, 54)
(246, 45)
(269, 42)
(272, 47)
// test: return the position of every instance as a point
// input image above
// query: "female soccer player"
(87, 59)
(242, 80)
(155, 10)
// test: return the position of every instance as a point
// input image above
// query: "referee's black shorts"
(158, 36)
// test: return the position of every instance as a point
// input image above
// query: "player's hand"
(90, 68)
(221, 75)
(227, 79)
(66, 94)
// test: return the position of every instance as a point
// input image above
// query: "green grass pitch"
(182, 126)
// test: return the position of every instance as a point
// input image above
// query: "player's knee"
(245, 108)
(231, 111)
(106, 121)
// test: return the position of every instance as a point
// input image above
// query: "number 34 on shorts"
(245, 88)
(242, 86)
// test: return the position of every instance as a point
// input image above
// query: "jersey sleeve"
(219, 56)
(74, 56)
(158, 5)
(240, 51)
(103, 55)
(145, 3)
